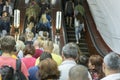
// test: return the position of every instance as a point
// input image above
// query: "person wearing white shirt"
(69, 55)
(79, 26)
(8, 8)
(111, 66)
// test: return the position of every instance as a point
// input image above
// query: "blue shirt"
(33, 73)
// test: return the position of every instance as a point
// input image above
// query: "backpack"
(8, 73)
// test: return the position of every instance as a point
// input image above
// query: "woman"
(28, 58)
(48, 70)
(95, 67)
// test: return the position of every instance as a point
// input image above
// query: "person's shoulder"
(7, 58)
(56, 56)
(33, 68)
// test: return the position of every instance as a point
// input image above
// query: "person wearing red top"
(38, 51)
(7, 46)
(28, 59)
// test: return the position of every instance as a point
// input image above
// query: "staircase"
(82, 42)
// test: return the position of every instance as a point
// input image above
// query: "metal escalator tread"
(82, 43)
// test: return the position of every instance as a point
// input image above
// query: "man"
(111, 66)
(78, 72)
(69, 55)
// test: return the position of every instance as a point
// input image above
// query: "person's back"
(38, 51)
(6, 73)
(7, 46)
(79, 9)
(69, 12)
(34, 70)
(69, 55)
(5, 22)
(28, 58)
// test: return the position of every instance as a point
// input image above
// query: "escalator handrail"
(93, 37)
(63, 24)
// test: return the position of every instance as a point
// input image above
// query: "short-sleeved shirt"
(12, 62)
(55, 57)
(65, 68)
(29, 62)
(33, 73)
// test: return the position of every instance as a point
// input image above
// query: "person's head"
(22, 37)
(4, 13)
(45, 55)
(95, 65)
(7, 44)
(95, 61)
(83, 60)
(29, 36)
(111, 63)
(29, 49)
(36, 43)
(48, 46)
(19, 45)
(45, 35)
(48, 69)
(70, 51)
(78, 72)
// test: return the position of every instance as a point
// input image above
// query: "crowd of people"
(6, 15)
(74, 17)
(41, 59)
(39, 14)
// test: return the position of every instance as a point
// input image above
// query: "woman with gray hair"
(111, 66)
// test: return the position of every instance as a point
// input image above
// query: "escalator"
(91, 41)
(70, 35)
(20, 4)
(82, 42)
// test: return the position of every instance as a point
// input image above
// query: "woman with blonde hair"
(44, 23)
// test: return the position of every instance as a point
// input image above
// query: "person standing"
(111, 66)
(69, 54)
(7, 44)
(69, 12)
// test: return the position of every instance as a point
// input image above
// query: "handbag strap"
(18, 64)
